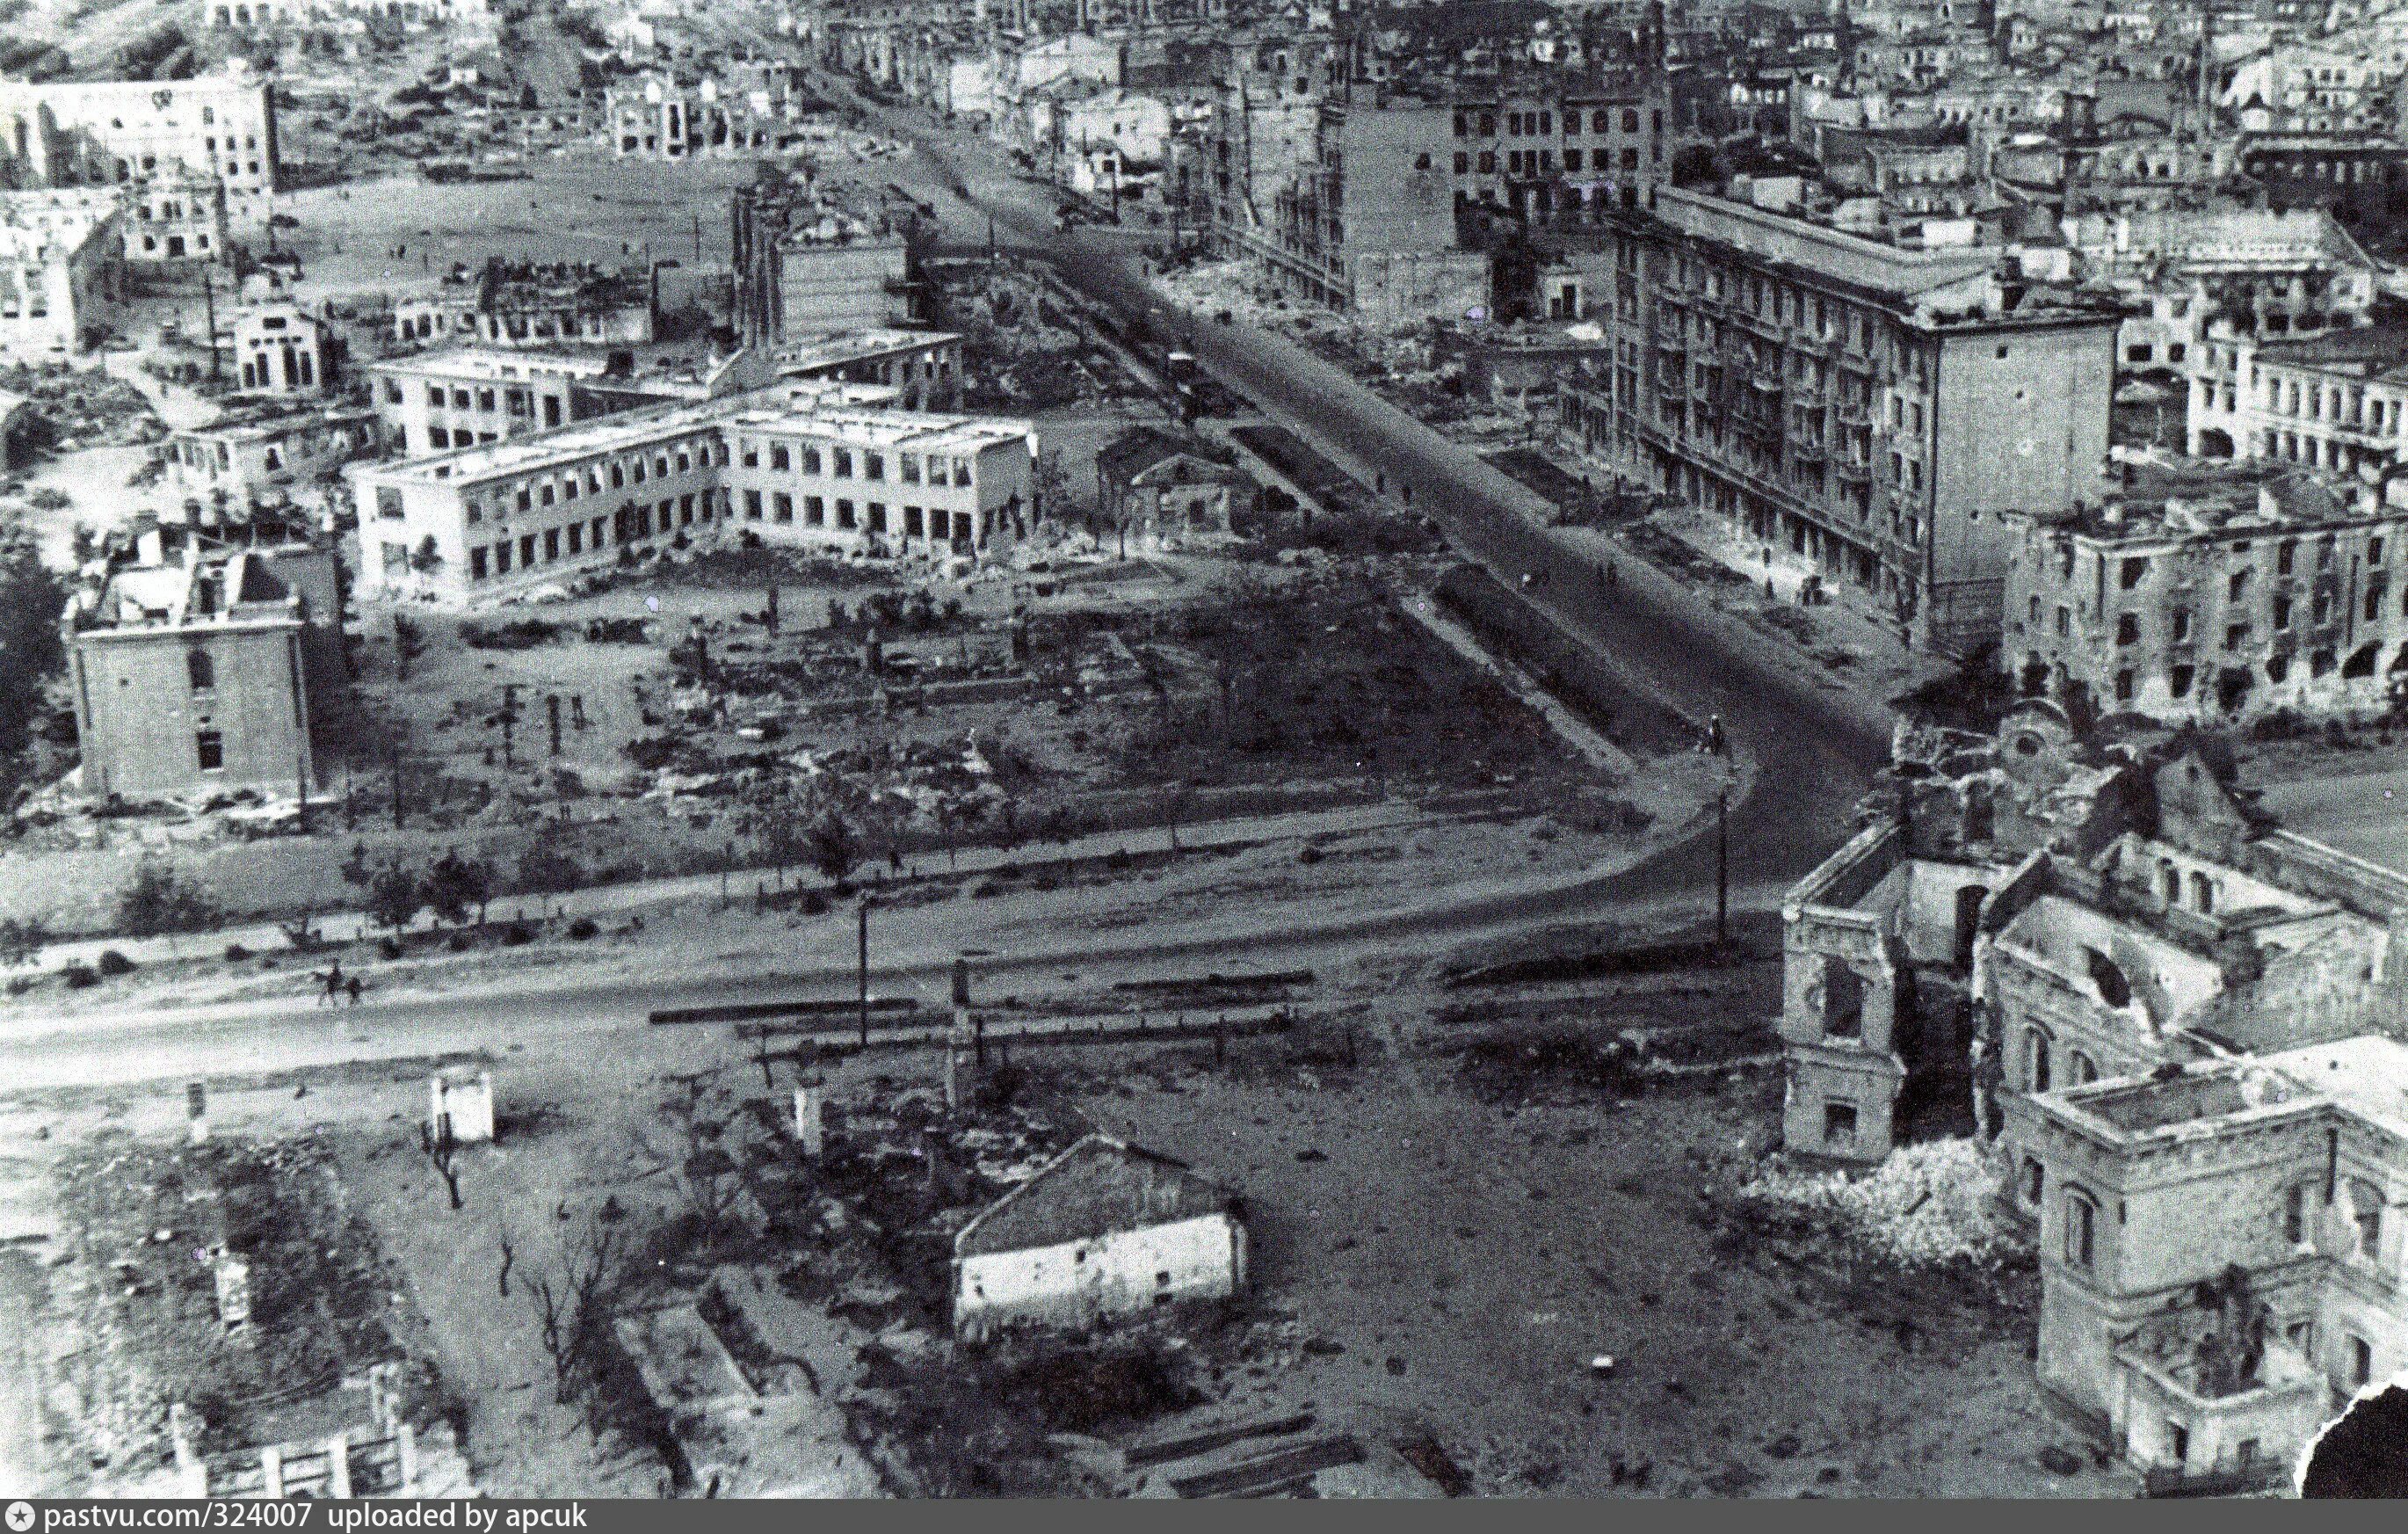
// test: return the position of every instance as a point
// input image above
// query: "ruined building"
(2215, 594)
(202, 674)
(2025, 916)
(2220, 1268)
(806, 265)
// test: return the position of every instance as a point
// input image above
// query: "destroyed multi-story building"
(527, 303)
(437, 401)
(2332, 402)
(267, 455)
(127, 134)
(61, 270)
(2216, 593)
(2203, 284)
(661, 116)
(805, 263)
(2220, 1262)
(2026, 913)
(814, 464)
(205, 672)
(1870, 407)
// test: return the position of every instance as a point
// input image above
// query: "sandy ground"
(1455, 1259)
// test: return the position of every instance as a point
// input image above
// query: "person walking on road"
(352, 988)
(331, 980)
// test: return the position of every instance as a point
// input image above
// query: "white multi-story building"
(126, 133)
(59, 269)
(2332, 402)
(816, 465)
(438, 401)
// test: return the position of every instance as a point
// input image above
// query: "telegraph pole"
(1722, 864)
(862, 951)
(210, 310)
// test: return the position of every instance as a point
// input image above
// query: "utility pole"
(210, 310)
(551, 707)
(861, 950)
(698, 239)
(1722, 864)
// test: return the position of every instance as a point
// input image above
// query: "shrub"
(582, 928)
(517, 934)
(78, 977)
(237, 954)
(114, 963)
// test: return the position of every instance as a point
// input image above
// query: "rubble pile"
(153, 1232)
(1925, 1205)
(84, 407)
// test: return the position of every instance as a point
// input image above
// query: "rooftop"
(478, 362)
(795, 406)
(2205, 498)
(2368, 352)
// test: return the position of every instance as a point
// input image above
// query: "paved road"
(1817, 746)
(1814, 748)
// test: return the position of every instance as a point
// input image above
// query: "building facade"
(127, 133)
(2214, 599)
(61, 270)
(196, 677)
(2221, 1256)
(1104, 1231)
(1872, 407)
(281, 348)
(438, 401)
(812, 465)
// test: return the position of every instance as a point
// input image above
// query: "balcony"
(1766, 380)
(1807, 396)
(1807, 449)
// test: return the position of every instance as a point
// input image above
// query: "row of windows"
(633, 522)
(1539, 162)
(844, 463)
(619, 473)
(932, 523)
(1542, 125)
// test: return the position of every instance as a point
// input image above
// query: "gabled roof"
(1133, 453)
(1097, 1187)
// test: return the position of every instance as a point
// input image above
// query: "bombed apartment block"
(816, 465)
(1106, 1229)
(510, 304)
(2026, 914)
(1870, 406)
(808, 263)
(197, 677)
(2213, 593)
(2220, 1263)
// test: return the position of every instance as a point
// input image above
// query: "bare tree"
(696, 1118)
(571, 1305)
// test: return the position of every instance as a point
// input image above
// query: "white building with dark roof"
(1104, 1230)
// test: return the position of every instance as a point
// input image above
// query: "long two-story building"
(819, 465)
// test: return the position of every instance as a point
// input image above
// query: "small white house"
(1104, 1230)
